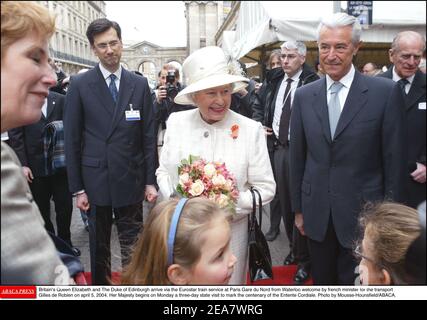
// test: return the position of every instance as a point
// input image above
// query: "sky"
(159, 22)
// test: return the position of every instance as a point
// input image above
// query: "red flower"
(234, 131)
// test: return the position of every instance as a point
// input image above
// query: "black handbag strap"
(253, 214)
(259, 206)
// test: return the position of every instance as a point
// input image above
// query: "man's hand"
(151, 193)
(299, 222)
(419, 175)
(161, 94)
(268, 131)
(28, 174)
(82, 201)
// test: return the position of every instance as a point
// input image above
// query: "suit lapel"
(418, 88)
(99, 87)
(320, 106)
(51, 103)
(355, 101)
(125, 93)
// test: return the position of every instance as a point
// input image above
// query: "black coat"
(27, 141)
(416, 138)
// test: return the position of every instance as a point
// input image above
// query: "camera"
(171, 88)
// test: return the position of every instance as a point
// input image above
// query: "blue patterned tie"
(112, 87)
(334, 107)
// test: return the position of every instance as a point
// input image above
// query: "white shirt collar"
(295, 77)
(107, 73)
(346, 80)
(396, 77)
(44, 107)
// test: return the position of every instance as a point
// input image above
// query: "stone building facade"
(204, 18)
(148, 58)
(69, 43)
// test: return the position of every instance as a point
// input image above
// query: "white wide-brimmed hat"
(207, 68)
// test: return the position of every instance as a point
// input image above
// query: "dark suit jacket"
(27, 141)
(364, 162)
(111, 158)
(416, 138)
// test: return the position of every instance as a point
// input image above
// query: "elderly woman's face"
(25, 79)
(213, 103)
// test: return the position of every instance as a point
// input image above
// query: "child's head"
(389, 229)
(199, 253)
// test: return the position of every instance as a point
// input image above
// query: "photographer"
(61, 77)
(168, 88)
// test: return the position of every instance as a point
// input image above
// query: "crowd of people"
(338, 154)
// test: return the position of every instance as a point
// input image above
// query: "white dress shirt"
(44, 107)
(107, 74)
(396, 78)
(347, 80)
(280, 100)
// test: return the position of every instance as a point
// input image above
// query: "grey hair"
(406, 34)
(342, 19)
(292, 45)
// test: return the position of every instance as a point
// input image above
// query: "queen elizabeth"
(215, 133)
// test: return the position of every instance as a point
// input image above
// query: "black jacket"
(163, 110)
(263, 108)
(27, 141)
(244, 105)
(416, 137)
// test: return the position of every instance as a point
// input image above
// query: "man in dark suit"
(280, 91)
(29, 145)
(405, 54)
(346, 148)
(110, 147)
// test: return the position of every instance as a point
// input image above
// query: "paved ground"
(80, 238)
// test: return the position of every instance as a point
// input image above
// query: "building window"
(64, 44)
(57, 45)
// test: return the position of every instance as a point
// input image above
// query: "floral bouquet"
(212, 180)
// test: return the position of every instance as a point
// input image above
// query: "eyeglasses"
(359, 255)
(112, 44)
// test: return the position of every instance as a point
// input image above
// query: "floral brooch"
(234, 131)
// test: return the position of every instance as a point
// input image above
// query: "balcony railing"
(72, 58)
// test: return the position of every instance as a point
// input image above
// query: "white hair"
(341, 19)
(412, 35)
(292, 45)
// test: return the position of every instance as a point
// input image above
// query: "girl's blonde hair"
(148, 265)
(390, 228)
(20, 18)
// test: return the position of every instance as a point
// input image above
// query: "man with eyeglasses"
(405, 54)
(110, 147)
(279, 94)
(346, 148)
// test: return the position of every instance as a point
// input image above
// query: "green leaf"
(192, 158)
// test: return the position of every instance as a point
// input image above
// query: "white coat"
(246, 157)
